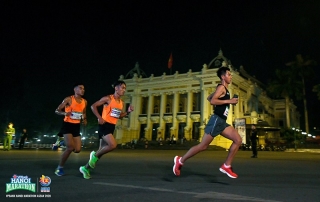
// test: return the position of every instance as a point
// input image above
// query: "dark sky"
(46, 47)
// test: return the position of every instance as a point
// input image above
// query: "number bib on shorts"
(115, 112)
(76, 115)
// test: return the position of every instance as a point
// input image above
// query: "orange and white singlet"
(76, 110)
(111, 112)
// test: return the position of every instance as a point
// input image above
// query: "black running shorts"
(215, 126)
(106, 129)
(70, 128)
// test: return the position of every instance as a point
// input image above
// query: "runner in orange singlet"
(74, 112)
(112, 111)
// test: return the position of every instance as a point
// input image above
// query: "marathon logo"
(20, 183)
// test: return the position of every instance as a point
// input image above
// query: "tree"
(316, 89)
(303, 67)
(285, 85)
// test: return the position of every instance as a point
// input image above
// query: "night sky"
(47, 47)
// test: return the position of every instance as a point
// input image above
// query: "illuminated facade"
(177, 104)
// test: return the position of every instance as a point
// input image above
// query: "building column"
(237, 107)
(204, 111)
(188, 132)
(241, 105)
(133, 116)
(245, 106)
(175, 107)
(162, 112)
(148, 130)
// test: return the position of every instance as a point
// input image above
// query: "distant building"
(177, 105)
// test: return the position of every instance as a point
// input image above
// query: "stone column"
(237, 107)
(133, 116)
(204, 110)
(245, 105)
(188, 133)
(162, 111)
(149, 122)
(240, 103)
(175, 107)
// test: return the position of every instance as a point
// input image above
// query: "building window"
(281, 123)
(196, 102)
(144, 106)
(156, 109)
(180, 107)
(168, 108)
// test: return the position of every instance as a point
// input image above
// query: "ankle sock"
(227, 166)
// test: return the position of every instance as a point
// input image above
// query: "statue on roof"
(136, 70)
(219, 61)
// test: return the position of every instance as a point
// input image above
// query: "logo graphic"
(19, 182)
(45, 181)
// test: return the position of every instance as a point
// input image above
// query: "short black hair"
(222, 71)
(117, 83)
(77, 84)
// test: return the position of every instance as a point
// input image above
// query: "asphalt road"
(146, 175)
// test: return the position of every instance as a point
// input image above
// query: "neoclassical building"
(177, 105)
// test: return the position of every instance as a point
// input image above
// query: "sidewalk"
(156, 146)
(304, 150)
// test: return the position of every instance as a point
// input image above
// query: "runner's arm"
(65, 102)
(94, 107)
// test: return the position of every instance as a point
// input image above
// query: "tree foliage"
(285, 84)
(316, 89)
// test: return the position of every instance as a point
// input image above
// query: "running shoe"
(177, 165)
(59, 172)
(93, 159)
(54, 147)
(58, 143)
(85, 172)
(228, 171)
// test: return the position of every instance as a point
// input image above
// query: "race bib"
(76, 115)
(115, 112)
(226, 112)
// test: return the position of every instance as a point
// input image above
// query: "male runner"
(74, 112)
(217, 125)
(112, 111)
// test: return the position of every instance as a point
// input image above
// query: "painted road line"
(208, 195)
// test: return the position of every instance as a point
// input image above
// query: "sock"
(227, 166)
(60, 167)
(87, 166)
(180, 161)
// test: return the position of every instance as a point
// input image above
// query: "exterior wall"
(177, 105)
